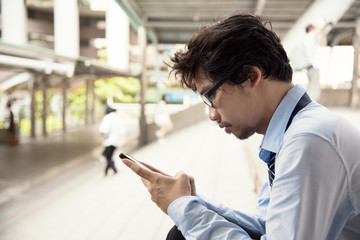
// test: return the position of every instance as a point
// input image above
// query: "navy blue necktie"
(271, 168)
(303, 102)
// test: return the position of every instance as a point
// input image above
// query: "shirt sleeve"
(198, 218)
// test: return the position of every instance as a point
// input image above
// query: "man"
(313, 190)
(314, 38)
(162, 119)
(10, 125)
(113, 130)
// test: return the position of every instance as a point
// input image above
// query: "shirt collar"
(276, 129)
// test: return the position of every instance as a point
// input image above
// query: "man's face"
(234, 107)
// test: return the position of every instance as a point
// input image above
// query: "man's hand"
(164, 189)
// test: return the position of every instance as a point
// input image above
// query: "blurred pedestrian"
(113, 129)
(162, 119)
(315, 37)
(10, 125)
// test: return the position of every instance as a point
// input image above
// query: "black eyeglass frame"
(207, 96)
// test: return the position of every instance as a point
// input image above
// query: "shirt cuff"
(176, 209)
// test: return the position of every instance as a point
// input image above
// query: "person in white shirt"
(162, 119)
(312, 190)
(113, 129)
(315, 38)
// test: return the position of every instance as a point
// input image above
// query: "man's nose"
(213, 114)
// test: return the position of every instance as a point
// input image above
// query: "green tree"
(122, 89)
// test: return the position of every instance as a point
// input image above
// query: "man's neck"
(273, 93)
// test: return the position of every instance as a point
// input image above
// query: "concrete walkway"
(80, 203)
(55, 188)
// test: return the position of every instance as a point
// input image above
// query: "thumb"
(192, 185)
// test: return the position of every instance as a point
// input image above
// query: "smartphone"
(128, 156)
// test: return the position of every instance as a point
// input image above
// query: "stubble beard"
(245, 133)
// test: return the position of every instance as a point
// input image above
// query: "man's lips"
(226, 126)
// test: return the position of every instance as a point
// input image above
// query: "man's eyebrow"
(205, 88)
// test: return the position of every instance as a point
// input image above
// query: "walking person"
(314, 39)
(162, 119)
(113, 129)
(10, 126)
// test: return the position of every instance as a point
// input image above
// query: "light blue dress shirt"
(316, 191)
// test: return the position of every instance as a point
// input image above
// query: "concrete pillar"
(66, 27)
(44, 108)
(64, 105)
(354, 96)
(14, 22)
(143, 78)
(117, 36)
(87, 97)
(89, 101)
(92, 103)
(32, 90)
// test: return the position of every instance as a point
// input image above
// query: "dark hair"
(225, 50)
(109, 110)
(308, 28)
(164, 97)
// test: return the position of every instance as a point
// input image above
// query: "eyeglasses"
(207, 96)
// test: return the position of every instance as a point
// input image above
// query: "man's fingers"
(140, 171)
(192, 184)
(190, 179)
(155, 169)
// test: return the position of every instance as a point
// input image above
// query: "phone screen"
(128, 156)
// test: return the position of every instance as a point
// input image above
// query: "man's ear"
(254, 75)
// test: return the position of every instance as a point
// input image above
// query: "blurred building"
(63, 44)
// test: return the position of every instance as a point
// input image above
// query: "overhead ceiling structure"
(15, 60)
(170, 21)
(173, 21)
(21, 62)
